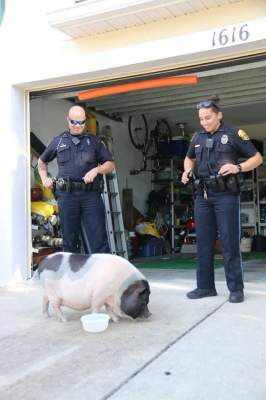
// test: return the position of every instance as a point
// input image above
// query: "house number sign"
(230, 36)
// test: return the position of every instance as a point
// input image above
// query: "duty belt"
(68, 185)
(217, 183)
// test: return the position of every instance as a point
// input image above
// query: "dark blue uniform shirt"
(76, 154)
(229, 144)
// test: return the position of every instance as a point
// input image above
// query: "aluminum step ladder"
(114, 218)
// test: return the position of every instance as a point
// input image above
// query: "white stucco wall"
(33, 55)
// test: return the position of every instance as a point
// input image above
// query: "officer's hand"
(227, 169)
(48, 183)
(185, 177)
(91, 175)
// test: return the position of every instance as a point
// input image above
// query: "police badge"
(224, 139)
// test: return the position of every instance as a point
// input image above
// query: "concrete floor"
(189, 350)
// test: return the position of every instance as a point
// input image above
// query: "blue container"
(152, 248)
(176, 147)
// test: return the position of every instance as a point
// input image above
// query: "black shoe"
(199, 293)
(236, 297)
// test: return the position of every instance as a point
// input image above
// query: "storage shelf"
(248, 181)
(247, 203)
(161, 181)
(168, 177)
(248, 225)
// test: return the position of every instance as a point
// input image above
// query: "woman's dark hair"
(212, 103)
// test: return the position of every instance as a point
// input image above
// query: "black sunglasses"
(75, 122)
(207, 104)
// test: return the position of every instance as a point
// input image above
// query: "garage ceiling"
(242, 90)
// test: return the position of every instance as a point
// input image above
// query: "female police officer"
(82, 158)
(215, 151)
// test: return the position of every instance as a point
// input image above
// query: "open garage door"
(241, 86)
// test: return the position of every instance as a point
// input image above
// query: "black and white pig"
(88, 282)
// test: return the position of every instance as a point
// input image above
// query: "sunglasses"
(207, 104)
(75, 122)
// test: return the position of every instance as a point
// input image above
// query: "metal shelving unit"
(255, 209)
(171, 181)
(261, 198)
(248, 203)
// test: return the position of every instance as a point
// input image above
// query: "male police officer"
(215, 151)
(82, 158)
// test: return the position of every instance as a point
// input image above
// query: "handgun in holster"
(196, 183)
(234, 182)
(98, 184)
(63, 184)
(221, 182)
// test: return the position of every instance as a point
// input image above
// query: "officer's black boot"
(236, 297)
(200, 293)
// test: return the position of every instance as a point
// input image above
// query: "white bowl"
(96, 322)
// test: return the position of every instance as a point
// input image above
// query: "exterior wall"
(36, 56)
(46, 55)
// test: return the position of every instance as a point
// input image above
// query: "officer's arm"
(43, 172)
(102, 169)
(245, 166)
(251, 163)
(106, 167)
(189, 165)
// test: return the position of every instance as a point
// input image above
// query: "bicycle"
(144, 141)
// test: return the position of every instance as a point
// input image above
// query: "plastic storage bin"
(176, 147)
(151, 248)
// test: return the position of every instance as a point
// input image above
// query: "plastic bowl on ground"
(96, 322)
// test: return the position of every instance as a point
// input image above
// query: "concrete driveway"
(188, 350)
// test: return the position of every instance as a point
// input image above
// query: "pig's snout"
(146, 314)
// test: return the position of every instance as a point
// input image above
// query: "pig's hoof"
(113, 318)
(63, 319)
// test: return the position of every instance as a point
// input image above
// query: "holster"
(196, 184)
(63, 184)
(234, 182)
(98, 184)
(221, 184)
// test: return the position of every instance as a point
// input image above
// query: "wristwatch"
(239, 168)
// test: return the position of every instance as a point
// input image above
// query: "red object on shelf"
(36, 194)
(190, 225)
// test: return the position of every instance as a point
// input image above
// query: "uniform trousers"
(218, 215)
(86, 207)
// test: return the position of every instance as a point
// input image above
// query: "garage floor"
(189, 350)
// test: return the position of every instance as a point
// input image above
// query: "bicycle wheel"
(138, 131)
(164, 132)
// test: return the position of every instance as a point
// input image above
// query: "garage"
(76, 46)
(157, 208)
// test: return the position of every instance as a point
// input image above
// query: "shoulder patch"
(243, 135)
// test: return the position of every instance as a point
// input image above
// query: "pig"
(88, 282)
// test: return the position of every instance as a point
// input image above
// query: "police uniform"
(217, 203)
(76, 155)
